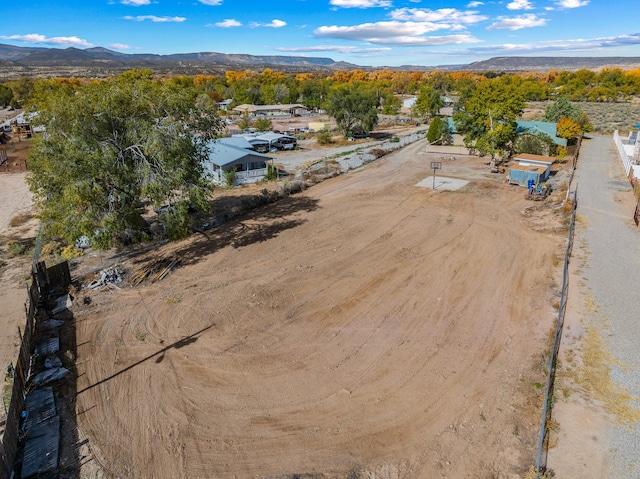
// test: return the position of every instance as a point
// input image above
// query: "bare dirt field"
(364, 326)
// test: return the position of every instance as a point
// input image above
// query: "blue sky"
(364, 32)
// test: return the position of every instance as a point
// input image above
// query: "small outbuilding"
(526, 175)
(536, 168)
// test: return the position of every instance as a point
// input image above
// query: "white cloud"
(37, 38)
(552, 46)
(274, 24)
(448, 15)
(155, 19)
(379, 30)
(135, 3)
(572, 3)
(393, 33)
(213, 3)
(360, 3)
(520, 5)
(590, 45)
(226, 23)
(333, 48)
(120, 46)
(474, 4)
(620, 40)
(517, 23)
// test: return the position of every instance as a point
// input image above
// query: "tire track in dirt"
(374, 333)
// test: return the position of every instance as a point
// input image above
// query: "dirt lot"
(364, 325)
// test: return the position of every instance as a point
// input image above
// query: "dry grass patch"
(595, 377)
(590, 304)
(531, 474)
(581, 219)
(568, 206)
(19, 220)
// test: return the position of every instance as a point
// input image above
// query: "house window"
(257, 165)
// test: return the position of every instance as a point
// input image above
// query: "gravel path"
(612, 277)
(355, 154)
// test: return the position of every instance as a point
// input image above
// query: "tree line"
(312, 89)
(112, 144)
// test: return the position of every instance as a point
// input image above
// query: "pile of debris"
(155, 271)
(108, 277)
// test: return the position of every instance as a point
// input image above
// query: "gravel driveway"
(611, 276)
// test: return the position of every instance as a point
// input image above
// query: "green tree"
(6, 95)
(353, 107)
(560, 108)
(487, 115)
(314, 92)
(440, 82)
(537, 143)
(263, 124)
(22, 90)
(429, 101)
(563, 108)
(245, 121)
(439, 132)
(112, 144)
(280, 92)
(390, 103)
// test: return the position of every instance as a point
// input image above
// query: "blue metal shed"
(523, 174)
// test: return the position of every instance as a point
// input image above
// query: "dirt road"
(363, 325)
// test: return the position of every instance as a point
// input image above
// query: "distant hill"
(99, 61)
(102, 58)
(553, 63)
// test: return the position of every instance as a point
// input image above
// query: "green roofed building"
(545, 127)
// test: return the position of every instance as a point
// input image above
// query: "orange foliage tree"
(567, 128)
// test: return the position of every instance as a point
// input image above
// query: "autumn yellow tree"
(567, 128)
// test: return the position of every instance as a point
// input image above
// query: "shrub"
(16, 248)
(377, 152)
(70, 252)
(562, 151)
(51, 249)
(178, 224)
(324, 138)
(271, 172)
(230, 177)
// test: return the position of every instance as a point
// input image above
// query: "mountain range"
(98, 61)
(98, 57)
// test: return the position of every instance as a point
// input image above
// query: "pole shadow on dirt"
(159, 355)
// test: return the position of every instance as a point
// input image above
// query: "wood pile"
(155, 271)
